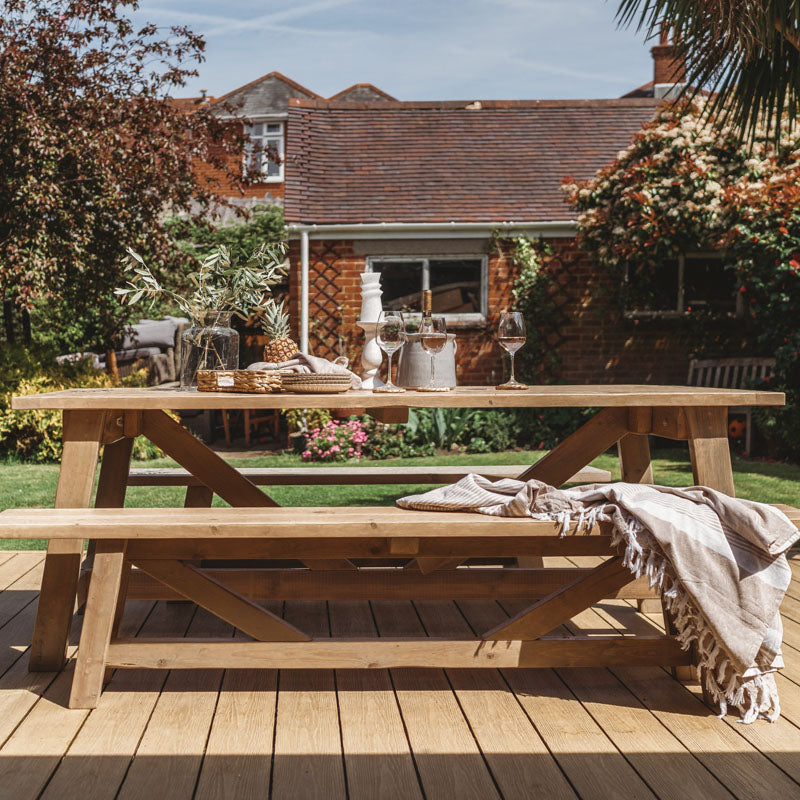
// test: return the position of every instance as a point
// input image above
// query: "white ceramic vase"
(371, 355)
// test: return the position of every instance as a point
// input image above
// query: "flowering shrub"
(335, 441)
(683, 186)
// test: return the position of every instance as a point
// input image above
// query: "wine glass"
(433, 338)
(511, 335)
(390, 333)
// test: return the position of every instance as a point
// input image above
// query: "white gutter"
(433, 230)
(410, 230)
(304, 292)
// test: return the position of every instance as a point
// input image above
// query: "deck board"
(406, 733)
(238, 757)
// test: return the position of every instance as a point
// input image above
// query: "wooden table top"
(462, 397)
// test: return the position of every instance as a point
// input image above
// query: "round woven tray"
(316, 384)
(257, 381)
(215, 380)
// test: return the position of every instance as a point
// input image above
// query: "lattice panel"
(324, 299)
(562, 266)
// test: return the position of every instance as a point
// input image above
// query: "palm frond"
(746, 53)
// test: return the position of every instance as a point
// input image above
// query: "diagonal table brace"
(213, 471)
(592, 439)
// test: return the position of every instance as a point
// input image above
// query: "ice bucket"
(414, 367)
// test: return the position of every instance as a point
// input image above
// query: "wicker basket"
(257, 381)
(215, 380)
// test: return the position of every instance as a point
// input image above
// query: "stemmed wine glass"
(511, 335)
(433, 338)
(390, 333)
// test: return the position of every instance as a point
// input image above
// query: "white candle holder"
(371, 355)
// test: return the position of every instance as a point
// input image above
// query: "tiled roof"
(487, 161)
(361, 92)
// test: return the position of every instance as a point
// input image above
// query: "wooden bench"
(151, 547)
(159, 542)
(732, 373)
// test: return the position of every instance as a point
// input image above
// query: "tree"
(745, 52)
(93, 153)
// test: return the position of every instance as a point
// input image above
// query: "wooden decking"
(588, 733)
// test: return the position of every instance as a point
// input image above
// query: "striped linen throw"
(719, 562)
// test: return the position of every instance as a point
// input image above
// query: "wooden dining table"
(625, 415)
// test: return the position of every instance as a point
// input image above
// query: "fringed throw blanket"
(718, 561)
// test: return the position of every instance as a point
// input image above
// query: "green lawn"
(23, 485)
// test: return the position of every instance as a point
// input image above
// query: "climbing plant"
(533, 297)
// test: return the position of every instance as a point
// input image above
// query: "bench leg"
(112, 486)
(119, 610)
(98, 623)
(82, 433)
(635, 467)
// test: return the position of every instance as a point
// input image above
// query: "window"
(692, 282)
(457, 284)
(266, 142)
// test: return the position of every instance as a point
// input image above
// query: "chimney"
(669, 70)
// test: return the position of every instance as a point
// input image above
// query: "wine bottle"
(427, 305)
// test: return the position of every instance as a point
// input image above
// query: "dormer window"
(264, 152)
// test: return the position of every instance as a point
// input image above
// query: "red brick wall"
(596, 344)
(222, 185)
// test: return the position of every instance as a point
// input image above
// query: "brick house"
(264, 105)
(416, 191)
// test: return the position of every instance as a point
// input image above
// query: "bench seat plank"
(337, 476)
(262, 523)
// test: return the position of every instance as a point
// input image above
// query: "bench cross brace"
(563, 604)
(209, 593)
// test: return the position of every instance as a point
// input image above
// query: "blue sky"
(416, 49)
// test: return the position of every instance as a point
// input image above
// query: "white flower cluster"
(667, 189)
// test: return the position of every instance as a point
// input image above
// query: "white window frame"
(279, 137)
(465, 318)
(680, 308)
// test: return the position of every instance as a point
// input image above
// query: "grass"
(34, 485)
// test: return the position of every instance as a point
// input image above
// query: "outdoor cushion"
(151, 333)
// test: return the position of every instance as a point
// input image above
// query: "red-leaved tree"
(93, 154)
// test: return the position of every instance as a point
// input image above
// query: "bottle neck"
(427, 304)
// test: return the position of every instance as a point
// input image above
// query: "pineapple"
(275, 323)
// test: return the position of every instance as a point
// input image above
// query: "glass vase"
(211, 343)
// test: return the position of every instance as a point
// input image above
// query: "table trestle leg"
(82, 433)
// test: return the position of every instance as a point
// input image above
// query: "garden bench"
(336, 476)
(732, 373)
(160, 542)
